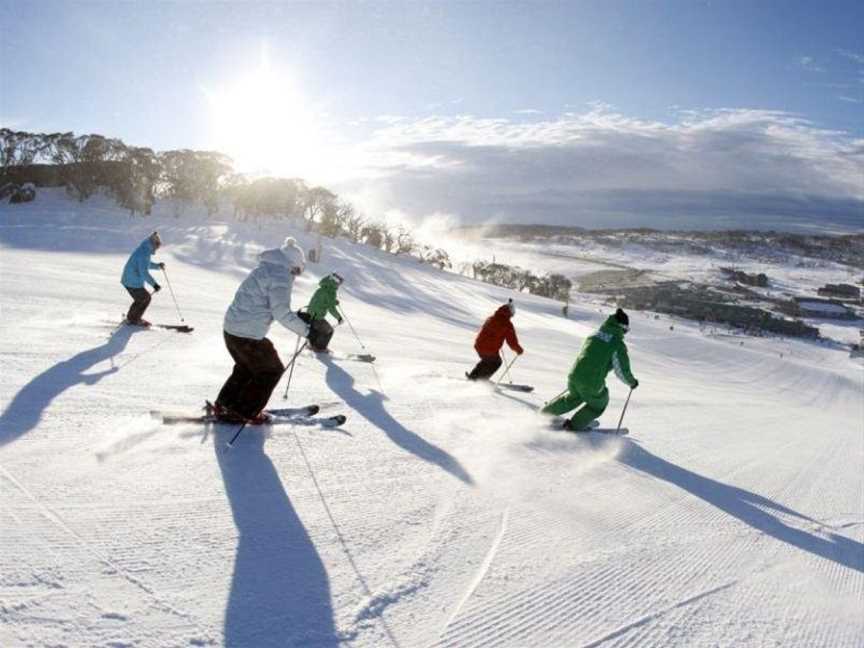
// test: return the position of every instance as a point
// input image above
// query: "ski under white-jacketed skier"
(601, 353)
(136, 273)
(262, 298)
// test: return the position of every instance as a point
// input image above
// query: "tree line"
(137, 177)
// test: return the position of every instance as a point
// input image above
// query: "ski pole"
(345, 317)
(507, 370)
(362, 346)
(172, 295)
(620, 420)
(297, 351)
(554, 398)
(236, 434)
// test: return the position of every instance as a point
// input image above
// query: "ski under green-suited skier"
(586, 384)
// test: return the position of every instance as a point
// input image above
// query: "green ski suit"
(586, 383)
(324, 300)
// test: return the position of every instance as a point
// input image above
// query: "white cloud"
(602, 167)
(852, 56)
(809, 64)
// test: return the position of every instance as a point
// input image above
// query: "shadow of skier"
(748, 507)
(371, 407)
(27, 406)
(280, 592)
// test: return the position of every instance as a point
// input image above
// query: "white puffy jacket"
(264, 296)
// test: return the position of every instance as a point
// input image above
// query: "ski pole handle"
(620, 420)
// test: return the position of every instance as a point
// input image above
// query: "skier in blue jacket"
(135, 273)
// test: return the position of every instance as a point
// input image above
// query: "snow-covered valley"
(444, 513)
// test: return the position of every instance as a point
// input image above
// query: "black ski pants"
(320, 332)
(487, 366)
(141, 300)
(257, 370)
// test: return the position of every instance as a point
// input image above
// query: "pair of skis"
(359, 357)
(305, 415)
(557, 423)
(179, 328)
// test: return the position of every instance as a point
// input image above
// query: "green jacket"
(324, 300)
(601, 353)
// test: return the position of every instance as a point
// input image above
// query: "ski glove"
(156, 287)
(635, 384)
(161, 266)
(339, 322)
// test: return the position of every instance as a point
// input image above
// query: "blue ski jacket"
(138, 267)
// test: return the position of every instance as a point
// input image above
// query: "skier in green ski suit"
(323, 301)
(586, 383)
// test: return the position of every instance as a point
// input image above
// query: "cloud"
(809, 64)
(852, 56)
(725, 168)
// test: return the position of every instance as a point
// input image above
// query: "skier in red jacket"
(491, 337)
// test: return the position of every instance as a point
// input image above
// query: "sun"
(264, 123)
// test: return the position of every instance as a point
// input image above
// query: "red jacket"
(495, 330)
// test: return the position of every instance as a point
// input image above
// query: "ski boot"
(223, 414)
(568, 425)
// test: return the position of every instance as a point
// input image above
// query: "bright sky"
(568, 112)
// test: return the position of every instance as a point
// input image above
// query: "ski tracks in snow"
(481, 571)
(204, 636)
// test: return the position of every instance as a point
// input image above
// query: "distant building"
(824, 308)
(840, 291)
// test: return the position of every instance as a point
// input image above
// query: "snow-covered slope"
(444, 513)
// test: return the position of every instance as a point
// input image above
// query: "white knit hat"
(293, 253)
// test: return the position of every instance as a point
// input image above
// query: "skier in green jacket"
(586, 383)
(323, 301)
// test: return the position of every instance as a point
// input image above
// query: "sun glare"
(264, 123)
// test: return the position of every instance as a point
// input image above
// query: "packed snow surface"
(444, 513)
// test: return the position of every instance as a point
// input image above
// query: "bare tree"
(404, 242)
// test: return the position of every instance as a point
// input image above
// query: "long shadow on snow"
(371, 407)
(747, 507)
(27, 406)
(280, 593)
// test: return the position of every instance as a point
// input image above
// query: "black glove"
(161, 266)
(339, 321)
(635, 384)
(156, 287)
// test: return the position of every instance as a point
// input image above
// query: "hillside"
(444, 513)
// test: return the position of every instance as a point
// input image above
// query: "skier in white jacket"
(264, 296)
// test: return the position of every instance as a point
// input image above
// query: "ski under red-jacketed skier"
(264, 296)
(601, 353)
(495, 331)
(136, 273)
